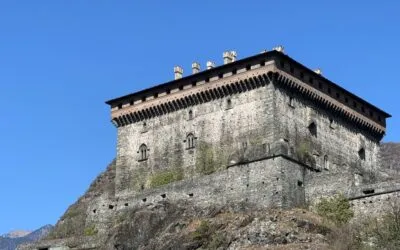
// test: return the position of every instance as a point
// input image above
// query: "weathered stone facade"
(254, 110)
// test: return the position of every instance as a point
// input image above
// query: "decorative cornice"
(194, 95)
(244, 78)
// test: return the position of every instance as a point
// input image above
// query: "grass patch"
(90, 231)
(165, 177)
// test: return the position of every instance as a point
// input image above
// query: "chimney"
(229, 56)
(279, 48)
(178, 71)
(210, 65)
(318, 71)
(195, 67)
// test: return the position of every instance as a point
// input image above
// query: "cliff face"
(73, 222)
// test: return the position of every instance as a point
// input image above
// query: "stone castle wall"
(248, 126)
(224, 130)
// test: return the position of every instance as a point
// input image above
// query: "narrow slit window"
(326, 162)
(361, 153)
(228, 103)
(190, 114)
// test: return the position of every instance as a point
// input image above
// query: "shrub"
(385, 231)
(90, 231)
(202, 231)
(336, 209)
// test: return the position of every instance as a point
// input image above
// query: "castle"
(264, 131)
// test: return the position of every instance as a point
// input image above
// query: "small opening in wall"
(131, 103)
(291, 102)
(191, 195)
(313, 129)
(143, 99)
(220, 76)
(163, 196)
(331, 123)
(144, 199)
(207, 79)
(120, 106)
(262, 63)
(234, 72)
(168, 91)
(181, 87)
(190, 114)
(45, 248)
(228, 103)
(368, 191)
(361, 153)
(126, 204)
(311, 80)
(94, 211)
(248, 67)
(155, 95)
(194, 84)
(301, 75)
(110, 206)
(299, 183)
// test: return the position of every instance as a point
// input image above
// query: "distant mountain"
(16, 234)
(11, 240)
(390, 160)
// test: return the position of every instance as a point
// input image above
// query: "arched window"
(190, 141)
(190, 114)
(313, 129)
(361, 153)
(143, 152)
(326, 162)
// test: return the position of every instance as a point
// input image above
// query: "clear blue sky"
(60, 60)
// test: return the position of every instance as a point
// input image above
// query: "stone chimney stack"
(279, 48)
(195, 67)
(229, 56)
(318, 71)
(178, 72)
(210, 65)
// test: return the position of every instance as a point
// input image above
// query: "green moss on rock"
(165, 177)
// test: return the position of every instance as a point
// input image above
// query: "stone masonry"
(247, 114)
